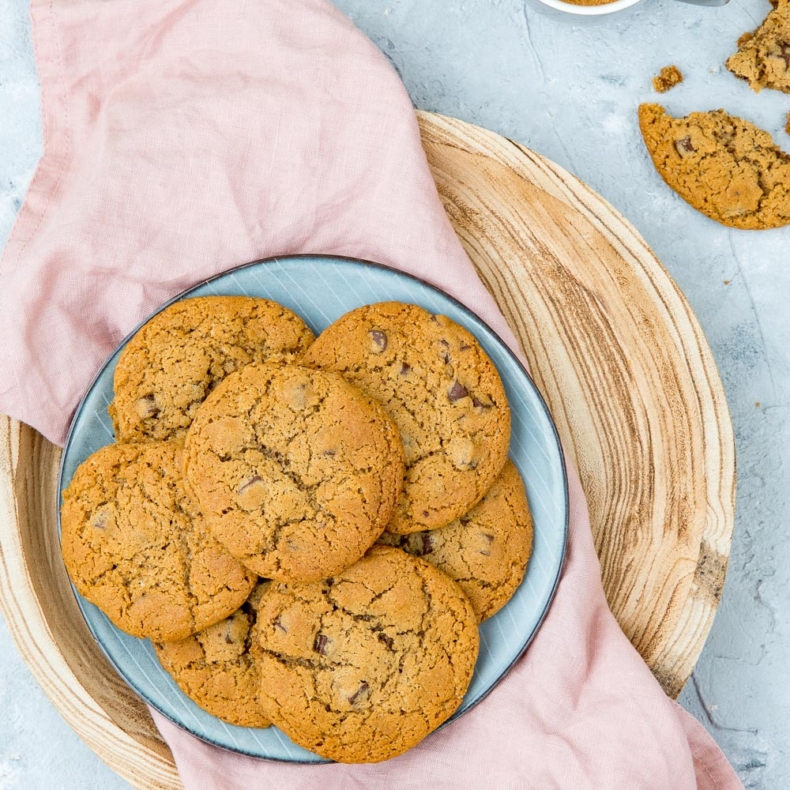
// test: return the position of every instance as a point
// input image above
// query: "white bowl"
(581, 12)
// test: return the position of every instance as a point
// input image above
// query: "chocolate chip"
(321, 643)
(147, 407)
(464, 347)
(378, 341)
(100, 520)
(425, 514)
(246, 486)
(277, 623)
(388, 641)
(684, 146)
(782, 52)
(490, 541)
(457, 391)
(405, 369)
(427, 543)
(446, 353)
(360, 694)
(228, 639)
(478, 404)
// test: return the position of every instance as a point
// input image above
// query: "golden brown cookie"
(361, 667)
(217, 667)
(763, 57)
(444, 394)
(172, 363)
(135, 545)
(486, 551)
(723, 166)
(667, 78)
(296, 470)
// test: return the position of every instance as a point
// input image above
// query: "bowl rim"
(602, 9)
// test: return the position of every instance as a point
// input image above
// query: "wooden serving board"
(629, 378)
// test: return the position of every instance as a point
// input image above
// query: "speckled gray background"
(570, 92)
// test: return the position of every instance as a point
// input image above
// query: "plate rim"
(362, 262)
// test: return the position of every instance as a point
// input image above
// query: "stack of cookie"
(309, 530)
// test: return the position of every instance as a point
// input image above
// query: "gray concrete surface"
(570, 92)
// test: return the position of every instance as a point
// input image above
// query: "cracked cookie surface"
(442, 391)
(361, 667)
(136, 546)
(174, 361)
(485, 551)
(763, 57)
(217, 667)
(723, 166)
(296, 470)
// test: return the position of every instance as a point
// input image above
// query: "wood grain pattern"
(627, 373)
(629, 378)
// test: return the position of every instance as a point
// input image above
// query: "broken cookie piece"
(724, 166)
(763, 57)
(667, 78)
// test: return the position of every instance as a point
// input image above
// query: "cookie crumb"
(787, 125)
(667, 78)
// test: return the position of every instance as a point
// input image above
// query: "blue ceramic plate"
(321, 289)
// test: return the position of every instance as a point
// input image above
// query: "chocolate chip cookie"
(723, 166)
(444, 394)
(361, 667)
(486, 551)
(169, 367)
(217, 667)
(135, 545)
(763, 57)
(296, 470)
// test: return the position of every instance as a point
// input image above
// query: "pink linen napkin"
(183, 137)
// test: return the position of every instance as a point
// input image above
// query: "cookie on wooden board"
(136, 546)
(443, 392)
(217, 667)
(361, 667)
(296, 470)
(763, 57)
(723, 166)
(174, 361)
(485, 551)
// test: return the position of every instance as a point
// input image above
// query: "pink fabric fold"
(183, 137)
